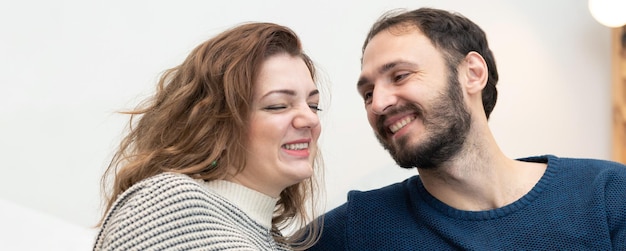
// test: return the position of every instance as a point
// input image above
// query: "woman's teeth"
(297, 146)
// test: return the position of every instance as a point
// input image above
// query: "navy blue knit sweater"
(578, 204)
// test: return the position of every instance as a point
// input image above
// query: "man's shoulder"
(572, 161)
(601, 163)
(358, 223)
(588, 166)
(384, 195)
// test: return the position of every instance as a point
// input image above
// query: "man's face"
(413, 102)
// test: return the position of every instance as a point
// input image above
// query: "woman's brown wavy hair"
(197, 121)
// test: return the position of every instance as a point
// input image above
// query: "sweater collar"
(256, 205)
(546, 180)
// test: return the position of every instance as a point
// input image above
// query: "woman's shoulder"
(168, 179)
(164, 193)
(171, 209)
(163, 186)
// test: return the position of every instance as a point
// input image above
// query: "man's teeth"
(401, 123)
(298, 146)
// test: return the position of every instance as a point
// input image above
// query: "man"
(428, 81)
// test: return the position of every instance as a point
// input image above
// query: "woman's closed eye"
(315, 108)
(275, 107)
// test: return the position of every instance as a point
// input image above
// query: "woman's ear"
(476, 72)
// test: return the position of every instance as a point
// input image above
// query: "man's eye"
(367, 97)
(400, 76)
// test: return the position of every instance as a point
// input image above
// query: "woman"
(223, 156)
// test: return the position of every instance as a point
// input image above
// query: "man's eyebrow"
(384, 69)
(362, 81)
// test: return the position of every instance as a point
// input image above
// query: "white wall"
(67, 66)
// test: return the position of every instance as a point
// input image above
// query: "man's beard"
(447, 126)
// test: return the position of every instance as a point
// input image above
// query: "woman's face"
(284, 126)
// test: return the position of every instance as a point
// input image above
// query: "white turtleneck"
(259, 206)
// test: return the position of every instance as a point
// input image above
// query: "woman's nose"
(306, 118)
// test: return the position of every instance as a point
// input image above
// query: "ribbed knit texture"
(175, 212)
(578, 204)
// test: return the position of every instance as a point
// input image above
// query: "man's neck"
(481, 178)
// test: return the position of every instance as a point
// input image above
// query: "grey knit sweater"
(175, 212)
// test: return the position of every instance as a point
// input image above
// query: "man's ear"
(476, 72)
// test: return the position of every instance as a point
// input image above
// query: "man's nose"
(382, 99)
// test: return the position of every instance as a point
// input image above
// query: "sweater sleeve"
(168, 212)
